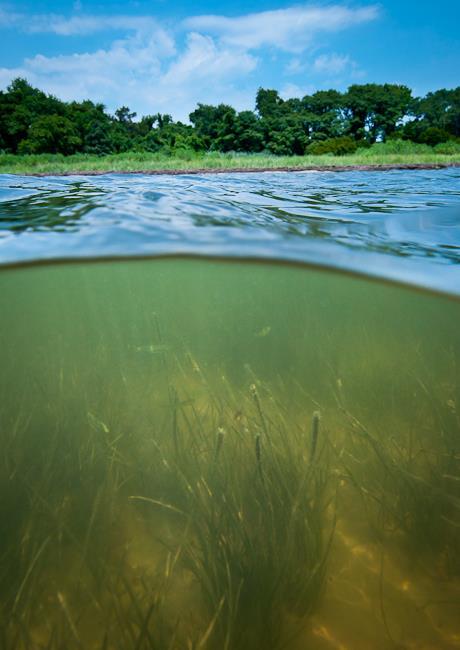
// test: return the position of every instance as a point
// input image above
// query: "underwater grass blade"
(143, 632)
(219, 442)
(29, 572)
(258, 451)
(314, 434)
(255, 397)
(208, 632)
(68, 617)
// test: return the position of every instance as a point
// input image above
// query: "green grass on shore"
(390, 153)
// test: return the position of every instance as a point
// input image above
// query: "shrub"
(451, 147)
(402, 147)
(336, 146)
(433, 136)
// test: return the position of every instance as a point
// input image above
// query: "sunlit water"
(224, 453)
(402, 225)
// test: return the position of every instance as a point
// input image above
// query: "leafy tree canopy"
(32, 121)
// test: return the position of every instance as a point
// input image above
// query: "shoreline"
(250, 170)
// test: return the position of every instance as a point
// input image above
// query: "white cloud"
(151, 70)
(115, 76)
(290, 90)
(329, 69)
(140, 55)
(146, 73)
(289, 29)
(8, 18)
(78, 25)
(203, 59)
(295, 66)
(207, 72)
(81, 25)
(331, 63)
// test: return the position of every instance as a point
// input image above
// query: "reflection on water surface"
(400, 225)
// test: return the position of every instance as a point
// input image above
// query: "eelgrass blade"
(205, 638)
(174, 405)
(143, 633)
(219, 442)
(314, 434)
(29, 572)
(63, 604)
(255, 397)
(258, 449)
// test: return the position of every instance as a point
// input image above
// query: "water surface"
(401, 225)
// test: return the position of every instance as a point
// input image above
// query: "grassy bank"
(391, 153)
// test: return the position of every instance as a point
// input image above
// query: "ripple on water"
(400, 225)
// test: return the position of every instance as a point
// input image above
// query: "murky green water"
(200, 454)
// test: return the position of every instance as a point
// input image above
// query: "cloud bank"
(291, 30)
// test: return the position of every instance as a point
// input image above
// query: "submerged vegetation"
(231, 509)
(182, 469)
(326, 123)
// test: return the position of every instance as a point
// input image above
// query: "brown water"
(201, 454)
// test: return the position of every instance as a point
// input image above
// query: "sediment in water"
(165, 481)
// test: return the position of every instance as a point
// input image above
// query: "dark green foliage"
(93, 126)
(326, 122)
(51, 134)
(287, 136)
(440, 109)
(124, 115)
(436, 118)
(20, 105)
(248, 132)
(170, 136)
(337, 146)
(214, 124)
(326, 109)
(323, 102)
(433, 136)
(268, 103)
(375, 110)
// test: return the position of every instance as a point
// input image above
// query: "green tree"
(323, 102)
(284, 123)
(268, 103)
(51, 134)
(94, 126)
(124, 115)
(248, 133)
(20, 105)
(169, 136)
(440, 109)
(32, 121)
(288, 136)
(214, 125)
(325, 111)
(374, 110)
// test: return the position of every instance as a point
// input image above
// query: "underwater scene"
(217, 454)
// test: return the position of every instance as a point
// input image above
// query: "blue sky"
(167, 55)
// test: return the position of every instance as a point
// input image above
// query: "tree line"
(328, 121)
